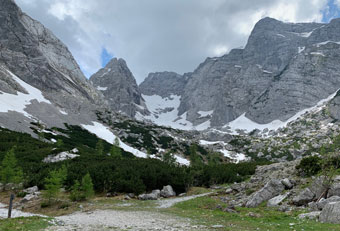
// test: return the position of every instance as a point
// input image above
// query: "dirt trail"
(153, 219)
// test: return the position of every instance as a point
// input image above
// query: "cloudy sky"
(159, 35)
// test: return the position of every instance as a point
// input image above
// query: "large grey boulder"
(331, 213)
(304, 197)
(31, 190)
(334, 190)
(148, 196)
(311, 216)
(270, 190)
(323, 202)
(167, 191)
(275, 201)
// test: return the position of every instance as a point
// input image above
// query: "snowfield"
(18, 103)
(164, 112)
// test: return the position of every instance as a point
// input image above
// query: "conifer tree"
(87, 186)
(54, 182)
(100, 147)
(10, 172)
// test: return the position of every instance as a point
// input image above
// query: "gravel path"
(122, 220)
(128, 220)
(15, 212)
(167, 203)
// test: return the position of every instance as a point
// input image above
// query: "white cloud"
(153, 35)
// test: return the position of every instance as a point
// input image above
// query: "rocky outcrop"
(163, 84)
(119, 88)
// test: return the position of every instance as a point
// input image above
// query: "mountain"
(39, 78)
(119, 88)
(283, 69)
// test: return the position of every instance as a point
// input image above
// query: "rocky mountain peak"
(163, 84)
(119, 88)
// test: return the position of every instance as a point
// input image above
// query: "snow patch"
(237, 66)
(281, 35)
(206, 142)
(235, 157)
(243, 123)
(324, 43)
(300, 49)
(63, 112)
(317, 53)
(101, 88)
(268, 72)
(18, 103)
(205, 113)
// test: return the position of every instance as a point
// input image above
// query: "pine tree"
(54, 182)
(100, 147)
(87, 186)
(76, 193)
(194, 157)
(10, 172)
(169, 158)
(60, 143)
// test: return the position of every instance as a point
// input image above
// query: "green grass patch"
(203, 211)
(24, 223)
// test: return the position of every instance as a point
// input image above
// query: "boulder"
(167, 191)
(157, 192)
(318, 186)
(287, 183)
(334, 190)
(331, 213)
(147, 196)
(323, 202)
(271, 189)
(28, 197)
(304, 197)
(275, 201)
(31, 190)
(311, 216)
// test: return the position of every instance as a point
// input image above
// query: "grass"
(203, 211)
(24, 224)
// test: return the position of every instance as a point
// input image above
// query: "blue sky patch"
(105, 57)
(331, 11)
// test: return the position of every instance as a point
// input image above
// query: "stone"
(270, 190)
(31, 190)
(318, 186)
(228, 190)
(334, 190)
(157, 192)
(148, 196)
(167, 191)
(304, 197)
(323, 202)
(311, 216)
(287, 183)
(275, 201)
(331, 213)
(182, 194)
(28, 197)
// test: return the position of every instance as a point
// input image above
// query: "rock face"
(119, 87)
(37, 67)
(331, 213)
(272, 189)
(163, 84)
(283, 69)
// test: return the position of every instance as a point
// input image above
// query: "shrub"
(10, 172)
(309, 166)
